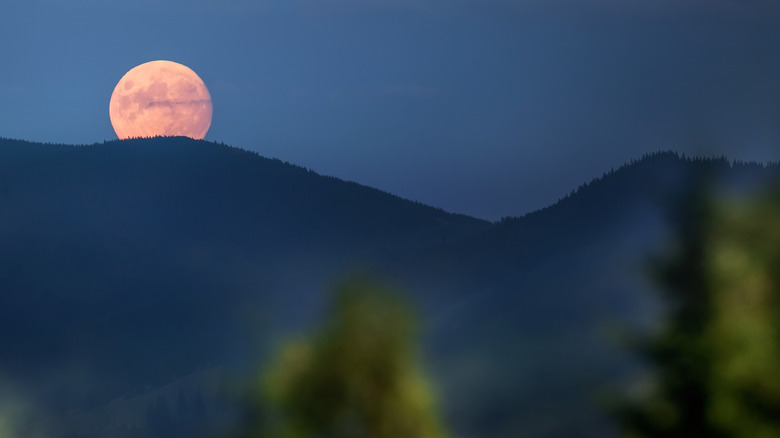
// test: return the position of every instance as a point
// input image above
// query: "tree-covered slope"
(129, 264)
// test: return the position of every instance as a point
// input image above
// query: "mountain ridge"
(131, 261)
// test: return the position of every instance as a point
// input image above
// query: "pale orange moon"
(160, 98)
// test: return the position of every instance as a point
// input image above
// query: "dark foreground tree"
(359, 376)
(716, 358)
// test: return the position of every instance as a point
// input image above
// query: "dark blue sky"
(485, 107)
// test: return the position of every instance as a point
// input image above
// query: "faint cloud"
(178, 102)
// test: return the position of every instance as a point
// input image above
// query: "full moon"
(160, 98)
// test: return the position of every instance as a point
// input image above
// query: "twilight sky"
(484, 107)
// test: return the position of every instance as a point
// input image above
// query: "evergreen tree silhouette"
(716, 358)
(159, 421)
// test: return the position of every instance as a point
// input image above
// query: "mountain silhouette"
(128, 265)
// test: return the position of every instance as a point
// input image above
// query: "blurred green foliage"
(358, 376)
(716, 360)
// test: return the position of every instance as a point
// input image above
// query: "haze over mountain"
(133, 270)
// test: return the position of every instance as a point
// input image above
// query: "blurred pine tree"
(358, 377)
(716, 359)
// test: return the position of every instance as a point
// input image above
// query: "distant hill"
(131, 258)
(552, 291)
(129, 264)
